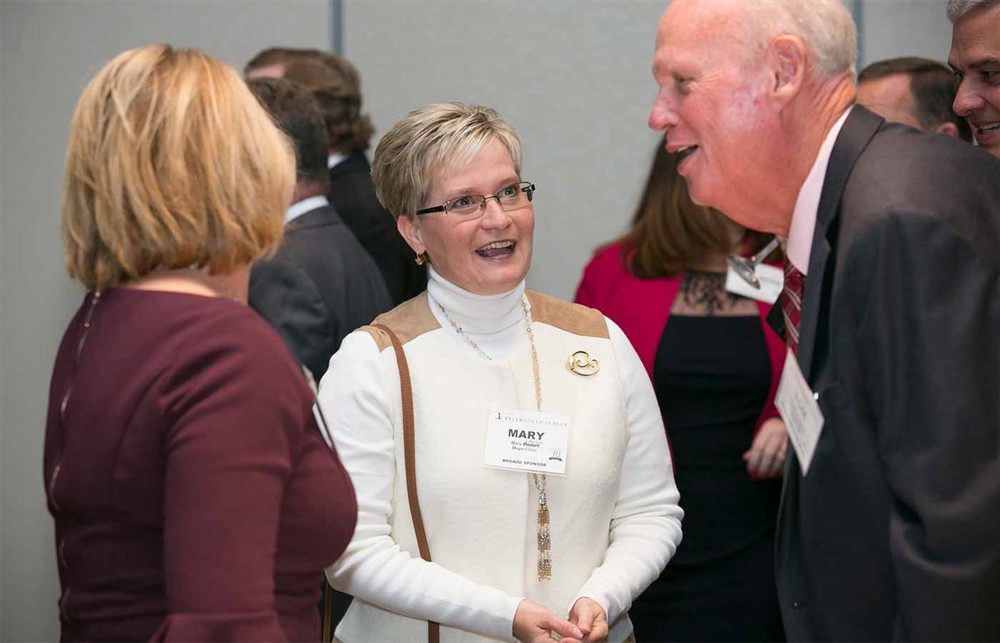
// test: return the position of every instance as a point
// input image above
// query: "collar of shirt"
(305, 205)
(334, 160)
(800, 232)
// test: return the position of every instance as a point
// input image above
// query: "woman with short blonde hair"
(181, 453)
(532, 499)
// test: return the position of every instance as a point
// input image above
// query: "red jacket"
(641, 307)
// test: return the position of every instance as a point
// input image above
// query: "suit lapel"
(858, 130)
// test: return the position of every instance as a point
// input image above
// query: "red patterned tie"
(791, 304)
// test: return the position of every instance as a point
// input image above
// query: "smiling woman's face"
(487, 255)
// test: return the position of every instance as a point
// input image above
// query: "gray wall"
(48, 51)
(893, 28)
(573, 77)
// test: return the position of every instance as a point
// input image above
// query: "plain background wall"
(893, 28)
(573, 77)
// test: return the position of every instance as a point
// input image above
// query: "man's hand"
(589, 616)
(534, 624)
(766, 457)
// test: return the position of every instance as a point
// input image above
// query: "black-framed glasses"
(510, 197)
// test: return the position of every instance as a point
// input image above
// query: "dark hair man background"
(914, 91)
(975, 57)
(321, 284)
(336, 86)
(889, 526)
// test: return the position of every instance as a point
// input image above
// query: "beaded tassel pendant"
(544, 541)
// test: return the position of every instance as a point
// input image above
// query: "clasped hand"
(766, 456)
(587, 623)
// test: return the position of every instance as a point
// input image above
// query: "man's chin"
(700, 197)
(992, 148)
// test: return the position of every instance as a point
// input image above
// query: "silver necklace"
(461, 333)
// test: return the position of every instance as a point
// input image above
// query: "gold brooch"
(582, 363)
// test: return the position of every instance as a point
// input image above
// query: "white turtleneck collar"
(495, 322)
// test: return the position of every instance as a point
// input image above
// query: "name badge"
(800, 410)
(770, 278)
(527, 441)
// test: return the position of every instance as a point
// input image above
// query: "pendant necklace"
(544, 538)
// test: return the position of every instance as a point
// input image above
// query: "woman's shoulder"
(605, 269)
(570, 317)
(191, 331)
(409, 320)
(612, 258)
(608, 284)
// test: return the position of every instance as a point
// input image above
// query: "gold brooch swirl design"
(582, 363)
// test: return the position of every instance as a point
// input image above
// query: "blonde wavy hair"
(171, 163)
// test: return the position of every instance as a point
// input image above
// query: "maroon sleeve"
(237, 418)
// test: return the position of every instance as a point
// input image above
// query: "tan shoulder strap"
(409, 454)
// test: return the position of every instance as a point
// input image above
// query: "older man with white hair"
(890, 517)
(975, 57)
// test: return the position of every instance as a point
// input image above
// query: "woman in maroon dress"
(193, 495)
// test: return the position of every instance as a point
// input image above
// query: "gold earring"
(419, 260)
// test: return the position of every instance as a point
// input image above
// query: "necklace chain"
(461, 333)
(544, 537)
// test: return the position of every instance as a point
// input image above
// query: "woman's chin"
(497, 282)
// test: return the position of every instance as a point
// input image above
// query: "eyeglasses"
(510, 197)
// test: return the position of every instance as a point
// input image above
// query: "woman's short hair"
(429, 140)
(670, 233)
(171, 163)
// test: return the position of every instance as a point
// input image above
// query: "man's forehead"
(976, 39)
(967, 54)
(689, 22)
(696, 32)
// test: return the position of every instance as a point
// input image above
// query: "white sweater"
(615, 519)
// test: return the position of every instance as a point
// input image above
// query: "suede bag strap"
(409, 454)
(326, 605)
(327, 627)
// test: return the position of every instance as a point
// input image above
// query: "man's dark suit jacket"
(352, 194)
(319, 287)
(895, 532)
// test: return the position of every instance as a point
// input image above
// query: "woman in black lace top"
(715, 368)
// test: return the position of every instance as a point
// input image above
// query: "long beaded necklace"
(544, 538)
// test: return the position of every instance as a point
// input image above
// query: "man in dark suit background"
(890, 516)
(913, 91)
(321, 284)
(975, 57)
(336, 85)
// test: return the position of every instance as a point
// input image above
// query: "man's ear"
(950, 129)
(787, 58)
(409, 228)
